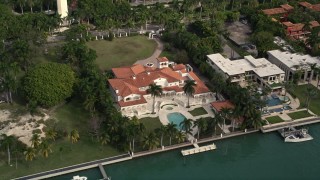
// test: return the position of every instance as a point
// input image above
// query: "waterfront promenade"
(125, 157)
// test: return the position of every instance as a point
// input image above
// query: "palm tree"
(310, 93)
(313, 67)
(171, 130)
(161, 131)
(74, 136)
(186, 125)
(225, 113)
(30, 153)
(188, 89)
(51, 134)
(154, 90)
(317, 71)
(180, 136)
(151, 141)
(201, 124)
(287, 85)
(255, 120)
(104, 139)
(217, 120)
(45, 148)
(7, 141)
(35, 140)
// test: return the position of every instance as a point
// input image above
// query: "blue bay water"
(255, 156)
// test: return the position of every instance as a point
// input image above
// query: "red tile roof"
(287, 23)
(286, 7)
(315, 7)
(222, 104)
(131, 103)
(179, 67)
(162, 59)
(314, 24)
(274, 11)
(138, 76)
(305, 4)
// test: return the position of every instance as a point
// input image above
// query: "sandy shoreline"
(21, 126)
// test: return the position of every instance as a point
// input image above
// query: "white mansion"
(239, 71)
(290, 63)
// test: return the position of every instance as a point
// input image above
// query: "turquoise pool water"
(273, 101)
(176, 118)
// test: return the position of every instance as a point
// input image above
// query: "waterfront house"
(129, 87)
(240, 71)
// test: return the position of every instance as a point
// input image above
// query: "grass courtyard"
(299, 115)
(274, 119)
(151, 123)
(300, 93)
(198, 111)
(64, 153)
(122, 51)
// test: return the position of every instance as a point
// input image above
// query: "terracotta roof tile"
(274, 11)
(162, 59)
(286, 7)
(314, 24)
(131, 103)
(179, 67)
(305, 4)
(222, 104)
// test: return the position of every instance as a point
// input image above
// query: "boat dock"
(103, 172)
(278, 126)
(198, 149)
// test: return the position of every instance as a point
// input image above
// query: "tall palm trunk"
(9, 155)
(170, 140)
(153, 104)
(161, 140)
(198, 132)
(188, 105)
(132, 144)
(21, 7)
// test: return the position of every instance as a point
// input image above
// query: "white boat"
(79, 178)
(293, 135)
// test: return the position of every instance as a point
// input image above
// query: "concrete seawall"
(124, 157)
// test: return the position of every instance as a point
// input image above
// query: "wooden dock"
(103, 172)
(270, 128)
(198, 149)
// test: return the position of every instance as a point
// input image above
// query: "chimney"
(148, 72)
(133, 77)
(117, 91)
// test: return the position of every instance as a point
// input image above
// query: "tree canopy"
(48, 84)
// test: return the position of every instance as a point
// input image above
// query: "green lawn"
(300, 92)
(170, 55)
(274, 119)
(151, 123)
(198, 111)
(64, 152)
(299, 115)
(122, 51)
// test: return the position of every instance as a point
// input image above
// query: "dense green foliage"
(48, 84)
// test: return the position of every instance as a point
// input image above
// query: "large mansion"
(129, 87)
(239, 71)
(291, 63)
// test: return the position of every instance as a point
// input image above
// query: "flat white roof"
(261, 66)
(295, 59)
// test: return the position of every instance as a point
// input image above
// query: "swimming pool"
(176, 118)
(273, 101)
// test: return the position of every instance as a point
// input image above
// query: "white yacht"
(293, 135)
(79, 178)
